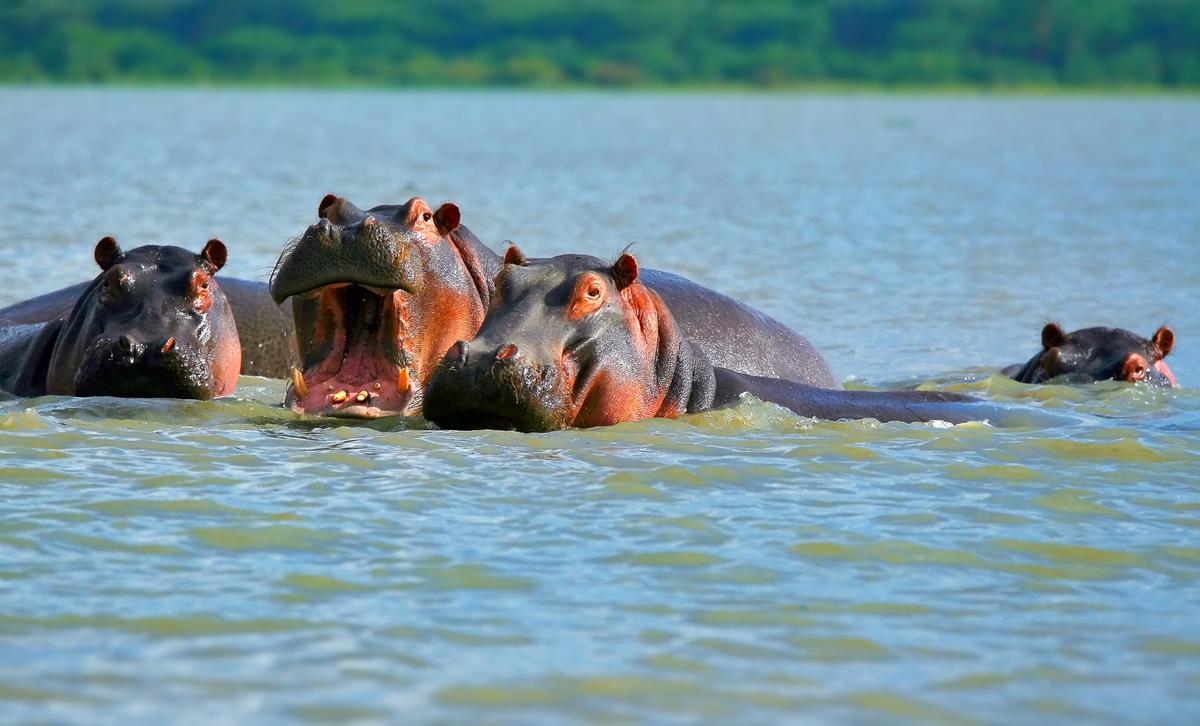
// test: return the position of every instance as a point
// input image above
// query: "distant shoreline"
(831, 89)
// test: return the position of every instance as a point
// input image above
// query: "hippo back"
(738, 337)
(42, 308)
(25, 351)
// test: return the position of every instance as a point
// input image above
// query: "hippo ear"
(1164, 340)
(214, 255)
(107, 252)
(625, 270)
(447, 218)
(326, 202)
(514, 256)
(1052, 335)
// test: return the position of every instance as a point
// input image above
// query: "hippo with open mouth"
(153, 323)
(380, 295)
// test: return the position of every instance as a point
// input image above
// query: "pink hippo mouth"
(357, 366)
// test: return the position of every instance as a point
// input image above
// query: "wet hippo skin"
(379, 296)
(572, 341)
(153, 323)
(268, 339)
(1098, 354)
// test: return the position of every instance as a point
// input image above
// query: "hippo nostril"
(126, 344)
(508, 351)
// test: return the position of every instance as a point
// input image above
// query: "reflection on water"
(239, 562)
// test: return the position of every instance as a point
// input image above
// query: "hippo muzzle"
(366, 253)
(479, 386)
(129, 365)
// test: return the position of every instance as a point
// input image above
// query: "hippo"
(267, 336)
(380, 295)
(572, 341)
(1098, 354)
(153, 323)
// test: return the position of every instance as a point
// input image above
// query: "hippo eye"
(427, 216)
(199, 288)
(593, 292)
(111, 288)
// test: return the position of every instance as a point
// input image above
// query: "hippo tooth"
(340, 396)
(362, 397)
(298, 383)
(402, 379)
(167, 346)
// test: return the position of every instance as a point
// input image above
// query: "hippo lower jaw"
(357, 371)
(352, 398)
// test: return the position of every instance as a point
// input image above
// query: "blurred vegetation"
(1088, 43)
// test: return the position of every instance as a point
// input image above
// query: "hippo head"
(378, 297)
(154, 323)
(1100, 354)
(567, 341)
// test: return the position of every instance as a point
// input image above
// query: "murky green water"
(228, 561)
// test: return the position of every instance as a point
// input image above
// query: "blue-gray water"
(231, 562)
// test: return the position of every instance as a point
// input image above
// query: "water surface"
(229, 561)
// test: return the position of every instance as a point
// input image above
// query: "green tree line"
(1088, 43)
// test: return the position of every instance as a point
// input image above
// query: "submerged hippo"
(573, 341)
(1098, 354)
(380, 295)
(154, 323)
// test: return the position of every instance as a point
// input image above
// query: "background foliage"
(604, 42)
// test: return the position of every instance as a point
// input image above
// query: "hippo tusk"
(340, 396)
(362, 397)
(402, 379)
(298, 383)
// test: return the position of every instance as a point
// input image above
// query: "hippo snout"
(145, 365)
(131, 350)
(362, 251)
(481, 385)
(130, 347)
(508, 353)
(457, 355)
(478, 357)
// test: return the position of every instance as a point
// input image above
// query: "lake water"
(230, 562)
